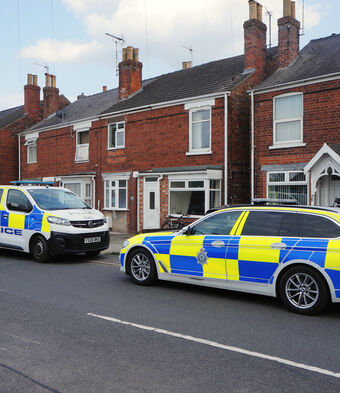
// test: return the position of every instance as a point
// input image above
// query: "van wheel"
(39, 249)
(92, 254)
(304, 291)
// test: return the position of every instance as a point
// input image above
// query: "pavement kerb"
(116, 242)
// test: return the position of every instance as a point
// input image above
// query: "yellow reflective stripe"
(332, 260)
(243, 220)
(233, 270)
(2, 202)
(165, 261)
(45, 226)
(186, 245)
(234, 229)
(16, 221)
(215, 268)
(255, 248)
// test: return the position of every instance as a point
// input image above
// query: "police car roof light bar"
(32, 183)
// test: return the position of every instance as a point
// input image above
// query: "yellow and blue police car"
(47, 221)
(292, 253)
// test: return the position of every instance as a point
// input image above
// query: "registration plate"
(91, 240)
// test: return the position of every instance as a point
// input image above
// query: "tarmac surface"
(116, 242)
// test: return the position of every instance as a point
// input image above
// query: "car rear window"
(316, 226)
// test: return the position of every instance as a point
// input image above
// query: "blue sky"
(69, 37)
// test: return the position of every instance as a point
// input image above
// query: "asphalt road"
(53, 337)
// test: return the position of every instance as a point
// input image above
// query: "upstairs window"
(83, 143)
(31, 145)
(116, 135)
(288, 119)
(200, 130)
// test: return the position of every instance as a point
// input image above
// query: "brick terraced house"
(296, 121)
(177, 143)
(17, 119)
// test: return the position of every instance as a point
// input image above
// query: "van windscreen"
(57, 199)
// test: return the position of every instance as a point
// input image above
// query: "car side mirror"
(187, 230)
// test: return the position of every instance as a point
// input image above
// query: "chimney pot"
(104, 88)
(252, 9)
(35, 80)
(47, 80)
(189, 64)
(129, 53)
(184, 65)
(287, 8)
(293, 13)
(259, 12)
(124, 54)
(29, 79)
(53, 81)
(135, 54)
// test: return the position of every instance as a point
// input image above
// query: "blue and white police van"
(46, 221)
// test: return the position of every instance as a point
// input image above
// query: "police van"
(45, 221)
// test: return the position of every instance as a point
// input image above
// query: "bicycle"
(174, 222)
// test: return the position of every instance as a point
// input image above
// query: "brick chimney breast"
(32, 96)
(255, 30)
(289, 37)
(130, 73)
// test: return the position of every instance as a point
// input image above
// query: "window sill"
(81, 161)
(115, 210)
(33, 162)
(197, 153)
(287, 145)
(115, 148)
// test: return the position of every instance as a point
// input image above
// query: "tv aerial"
(117, 40)
(191, 51)
(269, 14)
(44, 66)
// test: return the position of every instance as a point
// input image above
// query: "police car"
(292, 253)
(47, 221)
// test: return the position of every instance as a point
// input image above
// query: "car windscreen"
(57, 199)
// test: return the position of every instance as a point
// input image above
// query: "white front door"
(151, 204)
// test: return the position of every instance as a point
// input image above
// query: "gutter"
(302, 82)
(226, 95)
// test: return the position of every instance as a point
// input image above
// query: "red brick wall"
(321, 103)
(289, 34)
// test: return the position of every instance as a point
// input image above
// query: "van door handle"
(218, 243)
(278, 246)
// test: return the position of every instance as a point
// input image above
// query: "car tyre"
(92, 254)
(141, 267)
(304, 291)
(40, 249)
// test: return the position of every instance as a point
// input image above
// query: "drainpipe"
(226, 95)
(94, 193)
(138, 218)
(19, 171)
(252, 164)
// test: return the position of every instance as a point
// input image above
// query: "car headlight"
(126, 244)
(58, 220)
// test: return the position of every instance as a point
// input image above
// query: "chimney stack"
(130, 73)
(51, 96)
(255, 49)
(32, 95)
(289, 37)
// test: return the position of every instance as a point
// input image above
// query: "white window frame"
(206, 188)
(201, 150)
(286, 181)
(84, 146)
(31, 144)
(109, 130)
(116, 187)
(291, 143)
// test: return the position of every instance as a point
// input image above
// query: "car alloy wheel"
(141, 267)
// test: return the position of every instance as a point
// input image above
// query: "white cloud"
(61, 52)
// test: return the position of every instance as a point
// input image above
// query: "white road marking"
(24, 339)
(221, 346)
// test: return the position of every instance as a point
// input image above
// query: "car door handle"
(278, 246)
(5, 216)
(218, 243)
